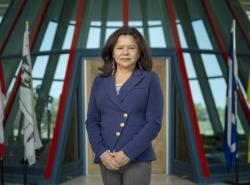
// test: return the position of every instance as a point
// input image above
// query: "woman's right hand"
(108, 161)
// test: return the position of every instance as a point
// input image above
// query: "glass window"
(39, 67)
(148, 23)
(156, 37)
(201, 35)
(218, 88)
(201, 110)
(61, 67)
(111, 27)
(95, 23)
(56, 89)
(94, 37)
(211, 65)
(182, 36)
(189, 66)
(69, 37)
(207, 85)
(109, 31)
(36, 83)
(48, 75)
(137, 25)
(49, 36)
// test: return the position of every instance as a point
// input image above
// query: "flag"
(248, 99)
(2, 98)
(230, 133)
(31, 136)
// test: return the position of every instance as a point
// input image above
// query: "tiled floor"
(156, 180)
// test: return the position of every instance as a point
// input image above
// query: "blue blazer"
(128, 121)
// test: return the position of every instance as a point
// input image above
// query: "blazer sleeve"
(93, 122)
(154, 112)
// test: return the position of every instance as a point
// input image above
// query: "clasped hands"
(115, 160)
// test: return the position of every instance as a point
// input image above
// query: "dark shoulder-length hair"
(144, 61)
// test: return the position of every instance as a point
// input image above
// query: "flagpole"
(2, 145)
(25, 171)
(2, 171)
(236, 112)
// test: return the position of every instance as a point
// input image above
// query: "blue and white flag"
(230, 133)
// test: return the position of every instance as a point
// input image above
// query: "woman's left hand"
(120, 158)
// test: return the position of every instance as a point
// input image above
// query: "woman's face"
(126, 52)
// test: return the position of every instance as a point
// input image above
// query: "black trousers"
(131, 174)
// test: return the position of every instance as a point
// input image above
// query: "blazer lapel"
(136, 77)
(111, 91)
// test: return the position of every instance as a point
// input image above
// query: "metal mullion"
(86, 25)
(165, 25)
(144, 19)
(104, 18)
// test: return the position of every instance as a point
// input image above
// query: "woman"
(125, 110)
